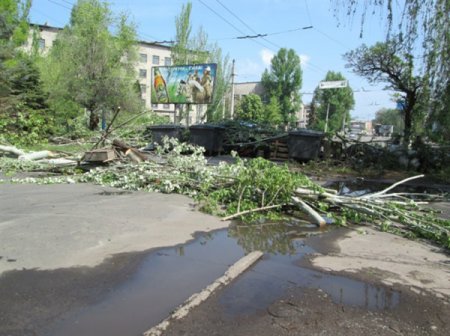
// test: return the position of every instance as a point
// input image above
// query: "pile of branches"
(257, 189)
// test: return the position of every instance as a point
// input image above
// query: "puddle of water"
(169, 276)
(165, 279)
(270, 278)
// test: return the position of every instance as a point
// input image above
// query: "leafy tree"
(196, 49)
(423, 28)
(92, 68)
(272, 112)
(284, 80)
(393, 117)
(337, 101)
(250, 108)
(24, 115)
(386, 62)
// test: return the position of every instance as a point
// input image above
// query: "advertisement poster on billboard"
(183, 84)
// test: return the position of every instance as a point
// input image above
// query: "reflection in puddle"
(168, 276)
(274, 274)
(273, 238)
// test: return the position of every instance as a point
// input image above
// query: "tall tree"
(196, 49)
(272, 112)
(423, 28)
(386, 62)
(250, 108)
(93, 68)
(284, 80)
(337, 102)
(393, 117)
(24, 117)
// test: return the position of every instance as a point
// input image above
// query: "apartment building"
(150, 55)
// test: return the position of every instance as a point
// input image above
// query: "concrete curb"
(233, 272)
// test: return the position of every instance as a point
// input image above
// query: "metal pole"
(232, 91)
(326, 119)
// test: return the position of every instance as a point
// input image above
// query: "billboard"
(333, 84)
(183, 84)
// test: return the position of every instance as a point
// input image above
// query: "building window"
(155, 106)
(142, 73)
(166, 106)
(143, 58)
(41, 44)
(155, 59)
(167, 61)
(143, 88)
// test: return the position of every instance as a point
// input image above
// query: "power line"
(220, 16)
(232, 25)
(246, 25)
(332, 39)
(238, 18)
(47, 16)
(61, 5)
(308, 13)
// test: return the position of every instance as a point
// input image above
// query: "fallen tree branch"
(318, 219)
(374, 195)
(251, 211)
(12, 150)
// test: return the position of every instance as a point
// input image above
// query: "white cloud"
(304, 59)
(266, 56)
(248, 70)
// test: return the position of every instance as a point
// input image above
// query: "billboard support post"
(324, 85)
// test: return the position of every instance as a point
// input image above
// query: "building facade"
(150, 55)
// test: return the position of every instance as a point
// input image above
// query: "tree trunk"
(93, 121)
(408, 111)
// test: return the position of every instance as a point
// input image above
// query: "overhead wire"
(246, 25)
(59, 4)
(231, 24)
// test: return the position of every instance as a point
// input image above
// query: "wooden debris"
(37, 155)
(11, 150)
(134, 154)
(100, 155)
(279, 150)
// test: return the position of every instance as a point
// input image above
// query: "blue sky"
(320, 48)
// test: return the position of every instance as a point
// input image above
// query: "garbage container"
(304, 145)
(208, 136)
(160, 131)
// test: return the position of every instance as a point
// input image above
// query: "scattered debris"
(100, 155)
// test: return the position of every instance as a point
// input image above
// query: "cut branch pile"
(255, 189)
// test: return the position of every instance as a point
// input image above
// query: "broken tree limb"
(133, 153)
(251, 211)
(12, 150)
(36, 155)
(318, 219)
(384, 191)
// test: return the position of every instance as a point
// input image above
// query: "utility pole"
(326, 119)
(232, 91)
(324, 85)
